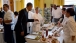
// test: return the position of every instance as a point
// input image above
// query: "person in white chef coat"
(69, 27)
(36, 24)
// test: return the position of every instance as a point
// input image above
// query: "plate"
(31, 37)
(46, 25)
(35, 33)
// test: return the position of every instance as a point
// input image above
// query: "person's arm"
(30, 20)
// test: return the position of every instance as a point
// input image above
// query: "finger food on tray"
(43, 39)
(37, 38)
(49, 36)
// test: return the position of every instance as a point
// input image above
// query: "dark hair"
(44, 4)
(15, 13)
(58, 5)
(29, 4)
(51, 5)
(64, 9)
(36, 8)
(70, 11)
(6, 5)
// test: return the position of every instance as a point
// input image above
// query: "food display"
(43, 39)
(37, 38)
(46, 36)
(1, 28)
(56, 34)
(40, 33)
(53, 41)
(50, 36)
(47, 26)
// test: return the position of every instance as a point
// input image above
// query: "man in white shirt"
(56, 14)
(8, 22)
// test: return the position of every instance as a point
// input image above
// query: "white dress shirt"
(9, 15)
(15, 21)
(56, 13)
(29, 24)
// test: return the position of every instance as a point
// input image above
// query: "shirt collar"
(7, 11)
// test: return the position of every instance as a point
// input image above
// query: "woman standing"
(69, 27)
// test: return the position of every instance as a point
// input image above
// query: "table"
(49, 33)
(1, 37)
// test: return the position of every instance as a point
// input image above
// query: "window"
(26, 1)
(70, 2)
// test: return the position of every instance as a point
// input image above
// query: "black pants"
(19, 38)
(8, 34)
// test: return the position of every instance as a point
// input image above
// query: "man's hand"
(59, 24)
(73, 38)
(36, 20)
(22, 33)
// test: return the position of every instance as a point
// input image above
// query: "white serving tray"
(31, 37)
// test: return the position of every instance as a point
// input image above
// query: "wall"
(0, 3)
(19, 5)
(40, 4)
(57, 2)
(11, 5)
(48, 2)
(36, 3)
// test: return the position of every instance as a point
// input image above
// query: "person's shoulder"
(10, 12)
(71, 19)
(22, 10)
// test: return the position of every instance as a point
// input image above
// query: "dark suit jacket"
(1, 14)
(22, 22)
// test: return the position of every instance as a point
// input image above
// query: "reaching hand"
(22, 33)
(36, 20)
(59, 24)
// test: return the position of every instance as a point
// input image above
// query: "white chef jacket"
(36, 24)
(69, 30)
(56, 13)
(9, 15)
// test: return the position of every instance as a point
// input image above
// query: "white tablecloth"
(60, 39)
(1, 37)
